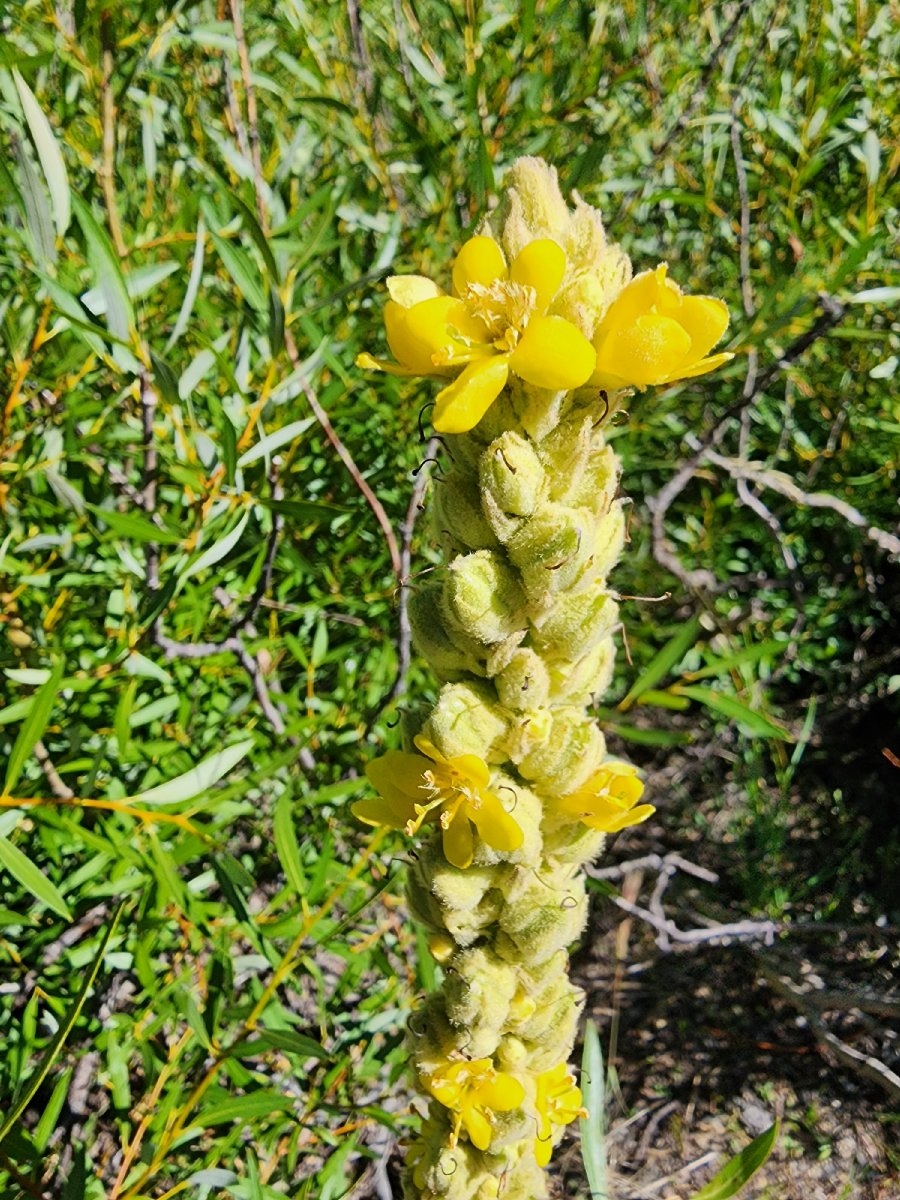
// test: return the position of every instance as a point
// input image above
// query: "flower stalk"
(507, 790)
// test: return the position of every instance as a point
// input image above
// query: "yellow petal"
(704, 319)
(540, 265)
(700, 368)
(428, 748)
(377, 810)
(543, 1149)
(383, 364)
(502, 1093)
(445, 1089)
(615, 822)
(478, 1127)
(637, 297)
(422, 335)
(414, 355)
(494, 824)
(407, 290)
(473, 769)
(458, 842)
(553, 353)
(461, 405)
(479, 261)
(648, 351)
(398, 774)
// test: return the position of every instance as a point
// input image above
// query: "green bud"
(458, 518)
(557, 749)
(579, 682)
(609, 540)
(430, 638)
(553, 550)
(577, 622)
(466, 720)
(511, 478)
(500, 656)
(524, 683)
(482, 598)
(533, 206)
(477, 992)
(535, 927)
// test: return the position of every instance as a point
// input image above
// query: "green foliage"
(198, 607)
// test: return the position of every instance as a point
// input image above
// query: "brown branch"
(237, 23)
(107, 170)
(57, 785)
(347, 459)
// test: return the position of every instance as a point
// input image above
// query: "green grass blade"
(66, 1025)
(31, 878)
(593, 1126)
(33, 727)
(757, 724)
(660, 666)
(729, 1181)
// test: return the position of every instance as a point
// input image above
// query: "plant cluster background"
(209, 519)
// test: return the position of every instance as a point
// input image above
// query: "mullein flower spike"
(506, 782)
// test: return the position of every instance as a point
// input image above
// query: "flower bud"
(465, 720)
(481, 598)
(511, 477)
(524, 683)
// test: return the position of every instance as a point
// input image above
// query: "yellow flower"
(494, 324)
(414, 788)
(475, 1091)
(558, 1102)
(607, 801)
(653, 334)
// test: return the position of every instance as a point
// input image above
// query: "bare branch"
(57, 786)
(778, 481)
(861, 1064)
(831, 312)
(237, 24)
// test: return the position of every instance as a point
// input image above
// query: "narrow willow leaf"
(286, 845)
(593, 1126)
(243, 271)
(278, 1039)
(647, 737)
(108, 272)
(33, 727)
(37, 211)
(243, 1108)
(193, 287)
(199, 779)
(32, 878)
(877, 295)
(22, 1100)
(275, 440)
(729, 1181)
(49, 154)
(662, 664)
(218, 550)
(47, 1125)
(756, 723)
(134, 526)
